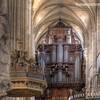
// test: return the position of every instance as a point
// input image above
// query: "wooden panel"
(60, 94)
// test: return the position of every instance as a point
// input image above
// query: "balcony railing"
(79, 96)
(28, 81)
(70, 83)
(36, 72)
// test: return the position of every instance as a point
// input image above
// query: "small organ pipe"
(77, 67)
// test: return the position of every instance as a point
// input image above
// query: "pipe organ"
(63, 62)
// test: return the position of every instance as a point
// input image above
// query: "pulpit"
(27, 78)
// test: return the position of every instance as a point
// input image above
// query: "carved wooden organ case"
(61, 56)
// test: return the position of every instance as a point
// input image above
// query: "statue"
(41, 61)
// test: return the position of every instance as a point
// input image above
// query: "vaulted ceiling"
(77, 13)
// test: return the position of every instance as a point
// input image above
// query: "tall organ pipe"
(65, 53)
(59, 52)
(77, 67)
(54, 54)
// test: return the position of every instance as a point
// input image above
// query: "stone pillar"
(20, 21)
(29, 35)
(94, 53)
(91, 57)
(4, 48)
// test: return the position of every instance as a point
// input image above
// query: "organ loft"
(60, 53)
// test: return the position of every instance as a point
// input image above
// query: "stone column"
(91, 57)
(20, 21)
(94, 55)
(4, 48)
(29, 35)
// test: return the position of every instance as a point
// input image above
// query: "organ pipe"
(65, 53)
(59, 53)
(77, 67)
(60, 75)
(53, 53)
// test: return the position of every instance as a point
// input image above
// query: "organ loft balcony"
(64, 65)
(62, 75)
(61, 52)
(27, 79)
